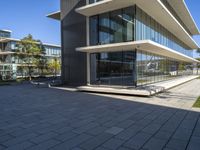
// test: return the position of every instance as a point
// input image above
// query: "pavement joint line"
(147, 125)
(157, 131)
(160, 128)
(105, 112)
(193, 130)
(175, 130)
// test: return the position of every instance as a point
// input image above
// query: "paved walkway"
(182, 96)
(146, 90)
(43, 118)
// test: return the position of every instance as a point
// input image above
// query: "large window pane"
(128, 22)
(104, 28)
(93, 1)
(129, 68)
(116, 26)
(114, 68)
(94, 30)
(148, 28)
(112, 27)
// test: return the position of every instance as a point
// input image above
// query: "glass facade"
(8, 62)
(52, 51)
(131, 24)
(114, 68)
(148, 28)
(5, 34)
(93, 1)
(154, 68)
(7, 72)
(112, 27)
(134, 67)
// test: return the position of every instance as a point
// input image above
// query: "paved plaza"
(36, 118)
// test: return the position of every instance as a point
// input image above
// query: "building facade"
(125, 43)
(10, 65)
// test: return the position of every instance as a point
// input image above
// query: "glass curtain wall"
(148, 28)
(112, 27)
(93, 1)
(131, 68)
(4, 34)
(114, 68)
(134, 67)
(119, 26)
(153, 68)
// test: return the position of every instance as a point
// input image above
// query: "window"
(116, 26)
(112, 27)
(104, 28)
(94, 30)
(148, 28)
(113, 68)
(93, 1)
(128, 23)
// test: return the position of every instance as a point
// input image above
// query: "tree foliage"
(31, 55)
(41, 61)
(28, 50)
(54, 66)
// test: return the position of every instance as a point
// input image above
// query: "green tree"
(181, 66)
(41, 61)
(19, 58)
(30, 50)
(198, 64)
(21, 70)
(54, 66)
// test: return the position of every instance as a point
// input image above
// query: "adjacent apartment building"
(125, 42)
(10, 65)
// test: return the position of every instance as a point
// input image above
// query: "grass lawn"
(197, 103)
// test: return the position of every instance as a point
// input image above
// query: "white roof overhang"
(6, 53)
(55, 15)
(184, 14)
(144, 45)
(155, 8)
(4, 30)
(4, 40)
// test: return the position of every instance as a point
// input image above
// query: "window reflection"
(148, 28)
(113, 27)
(93, 1)
(134, 68)
(104, 30)
(153, 68)
(117, 68)
(124, 25)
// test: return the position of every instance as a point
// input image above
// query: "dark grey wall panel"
(73, 32)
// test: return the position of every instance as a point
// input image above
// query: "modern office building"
(10, 65)
(125, 42)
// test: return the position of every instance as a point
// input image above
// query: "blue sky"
(29, 16)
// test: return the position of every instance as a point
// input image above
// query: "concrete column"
(88, 43)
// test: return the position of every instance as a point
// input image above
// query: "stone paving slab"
(46, 118)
